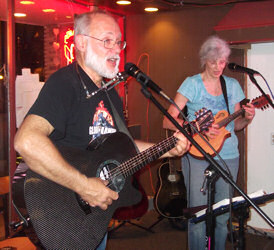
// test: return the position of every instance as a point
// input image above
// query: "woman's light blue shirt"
(194, 90)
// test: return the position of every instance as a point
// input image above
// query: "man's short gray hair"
(83, 21)
(214, 48)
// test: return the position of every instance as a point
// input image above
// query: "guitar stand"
(172, 221)
(258, 232)
(148, 229)
(160, 218)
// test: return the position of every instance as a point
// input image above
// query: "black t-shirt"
(76, 120)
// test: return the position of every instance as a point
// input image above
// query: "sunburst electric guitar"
(222, 118)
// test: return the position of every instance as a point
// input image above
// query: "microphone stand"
(215, 166)
(211, 178)
(252, 79)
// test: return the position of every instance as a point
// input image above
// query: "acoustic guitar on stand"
(170, 198)
(222, 118)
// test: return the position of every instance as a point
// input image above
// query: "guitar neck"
(172, 168)
(147, 156)
(259, 102)
(230, 118)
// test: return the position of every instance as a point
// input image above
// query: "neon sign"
(69, 46)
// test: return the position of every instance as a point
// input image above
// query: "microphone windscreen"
(128, 66)
(232, 66)
(131, 69)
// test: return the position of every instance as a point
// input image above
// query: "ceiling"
(65, 9)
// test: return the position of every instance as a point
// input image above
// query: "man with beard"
(65, 112)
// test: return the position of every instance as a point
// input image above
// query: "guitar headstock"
(261, 102)
(204, 118)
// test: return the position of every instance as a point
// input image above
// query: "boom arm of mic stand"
(207, 156)
(252, 79)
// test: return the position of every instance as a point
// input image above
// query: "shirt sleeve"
(54, 101)
(187, 89)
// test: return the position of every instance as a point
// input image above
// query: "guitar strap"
(120, 124)
(223, 84)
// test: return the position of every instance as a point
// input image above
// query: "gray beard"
(99, 64)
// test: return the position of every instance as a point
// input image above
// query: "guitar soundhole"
(109, 171)
(173, 178)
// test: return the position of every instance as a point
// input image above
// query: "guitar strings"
(143, 158)
(139, 159)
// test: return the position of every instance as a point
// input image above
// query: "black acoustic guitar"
(59, 217)
(170, 198)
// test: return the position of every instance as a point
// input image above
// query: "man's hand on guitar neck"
(181, 147)
(97, 194)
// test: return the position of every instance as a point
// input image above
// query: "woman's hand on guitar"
(213, 131)
(249, 111)
(97, 194)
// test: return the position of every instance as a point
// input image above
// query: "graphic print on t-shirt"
(102, 122)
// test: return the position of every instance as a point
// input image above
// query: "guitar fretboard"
(147, 156)
(230, 118)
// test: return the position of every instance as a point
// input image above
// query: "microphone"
(145, 80)
(236, 67)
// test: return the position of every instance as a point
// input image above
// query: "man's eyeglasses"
(109, 43)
